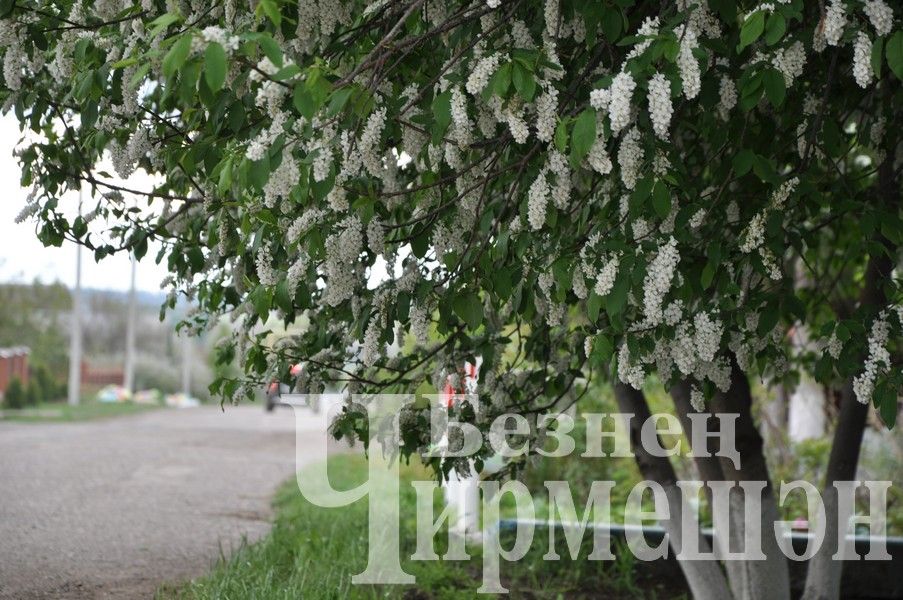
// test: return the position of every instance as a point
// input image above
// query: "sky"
(23, 258)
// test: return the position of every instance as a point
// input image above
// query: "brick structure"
(99, 376)
(13, 363)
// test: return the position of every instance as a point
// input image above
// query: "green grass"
(312, 553)
(61, 411)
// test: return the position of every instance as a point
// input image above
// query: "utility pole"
(75, 341)
(129, 373)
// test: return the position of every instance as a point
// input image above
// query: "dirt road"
(113, 508)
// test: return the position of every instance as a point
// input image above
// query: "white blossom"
(660, 109)
(878, 360)
(537, 199)
(606, 279)
(862, 56)
(686, 62)
(619, 107)
(880, 16)
(697, 400)
(835, 21)
(727, 91)
(630, 158)
(481, 73)
(658, 279)
(707, 336)
(546, 114)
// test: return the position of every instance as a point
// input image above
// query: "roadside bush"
(15, 394)
(48, 387)
(32, 393)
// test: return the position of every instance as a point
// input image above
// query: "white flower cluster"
(686, 62)
(600, 99)
(632, 374)
(342, 250)
(371, 351)
(561, 192)
(259, 146)
(697, 399)
(264, 262)
(880, 16)
(513, 116)
(463, 129)
(281, 181)
(834, 346)
(481, 73)
(221, 37)
(790, 61)
(551, 12)
(619, 103)
(707, 336)
(835, 21)
(537, 199)
(862, 56)
(546, 114)
(877, 362)
(420, 324)
(658, 279)
(369, 144)
(727, 91)
(598, 157)
(648, 30)
(630, 158)
(660, 108)
(606, 279)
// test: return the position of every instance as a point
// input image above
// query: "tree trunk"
(705, 578)
(823, 578)
(767, 579)
(707, 467)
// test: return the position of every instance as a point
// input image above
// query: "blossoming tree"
(570, 190)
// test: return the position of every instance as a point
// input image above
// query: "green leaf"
(886, 402)
(593, 306)
(271, 9)
(894, 51)
(304, 101)
(584, 134)
(661, 199)
(177, 55)
(441, 115)
(162, 22)
(501, 81)
(752, 29)
(877, 53)
(775, 89)
(743, 162)
(215, 66)
(524, 82)
(708, 274)
(617, 297)
(561, 137)
(468, 307)
(775, 29)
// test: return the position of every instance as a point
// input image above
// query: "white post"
(186, 364)
(129, 372)
(75, 341)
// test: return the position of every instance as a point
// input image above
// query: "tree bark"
(707, 467)
(705, 578)
(823, 578)
(767, 579)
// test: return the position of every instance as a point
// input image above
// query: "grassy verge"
(60, 411)
(312, 553)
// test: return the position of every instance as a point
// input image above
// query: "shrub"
(14, 397)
